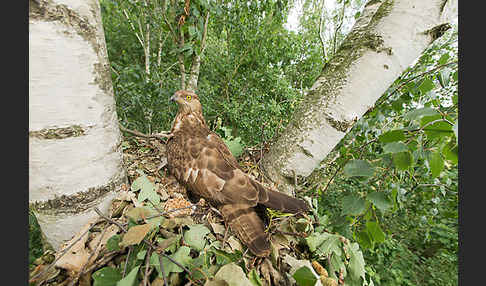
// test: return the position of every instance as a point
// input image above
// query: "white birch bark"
(384, 41)
(75, 160)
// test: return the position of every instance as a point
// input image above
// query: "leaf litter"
(188, 241)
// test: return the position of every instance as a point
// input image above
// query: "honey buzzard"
(200, 160)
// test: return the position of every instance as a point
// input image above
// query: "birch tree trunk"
(384, 41)
(75, 158)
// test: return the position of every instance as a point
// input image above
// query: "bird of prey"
(201, 161)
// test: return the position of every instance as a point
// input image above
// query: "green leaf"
(402, 160)
(365, 240)
(233, 275)
(141, 182)
(106, 276)
(438, 130)
(353, 205)
(181, 255)
(150, 194)
(451, 152)
(436, 164)
(235, 146)
(380, 200)
(359, 168)
(426, 86)
(356, 264)
(192, 30)
(113, 243)
(194, 237)
(420, 112)
(443, 59)
(223, 257)
(141, 254)
(254, 278)
(304, 277)
(169, 244)
(392, 136)
(147, 189)
(130, 279)
(324, 243)
(374, 229)
(395, 147)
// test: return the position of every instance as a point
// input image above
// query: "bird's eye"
(188, 98)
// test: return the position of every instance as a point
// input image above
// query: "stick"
(63, 252)
(147, 266)
(160, 135)
(126, 261)
(162, 270)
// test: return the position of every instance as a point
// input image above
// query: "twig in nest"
(160, 135)
(147, 266)
(102, 261)
(63, 253)
(162, 270)
(126, 261)
(75, 280)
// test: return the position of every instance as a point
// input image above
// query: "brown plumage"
(200, 159)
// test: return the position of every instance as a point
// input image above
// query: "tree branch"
(338, 28)
(160, 135)
(321, 18)
(133, 28)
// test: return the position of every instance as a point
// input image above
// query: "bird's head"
(187, 101)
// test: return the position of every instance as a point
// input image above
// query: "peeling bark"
(384, 41)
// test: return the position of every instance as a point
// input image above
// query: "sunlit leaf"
(304, 277)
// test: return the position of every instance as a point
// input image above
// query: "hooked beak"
(173, 98)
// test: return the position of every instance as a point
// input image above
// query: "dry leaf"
(234, 243)
(218, 228)
(111, 231)
(135, 234)
(78, 255)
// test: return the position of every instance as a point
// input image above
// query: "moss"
(58, 133)
(35, 239)
(437, 31)
(77, 203)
